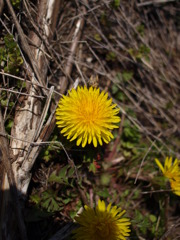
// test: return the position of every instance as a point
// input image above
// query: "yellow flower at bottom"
(87, 115)
(171, 170)
(102, 223)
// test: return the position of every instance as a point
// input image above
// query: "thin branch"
(142, 162)
(29, 82)
(154, 2)
(75, 41)
(169, 231)
(20, 93)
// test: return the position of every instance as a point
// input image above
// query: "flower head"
(171, 170)
(102, 223)
(87, 115)
(175, 185)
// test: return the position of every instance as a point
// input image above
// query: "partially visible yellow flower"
(102, 223)
(171, 170)
(87, 115)
(175, 185)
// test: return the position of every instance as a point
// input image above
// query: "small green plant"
(115, 4)
(65, 176)
(97, 37)
(142, 52)
(140, 29)
(111, 56)
(147, 225)
(117, 93)
(10, 56)
(49, 200)
(130, 139)
(16, 3)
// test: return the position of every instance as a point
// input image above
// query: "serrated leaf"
(62, 176)
(54, 178)
(35, 198)
(50, 201)
(50, 204)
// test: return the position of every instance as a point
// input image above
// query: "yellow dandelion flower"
(102, 223)
(87, 115)
(171, 170)
(175, 185)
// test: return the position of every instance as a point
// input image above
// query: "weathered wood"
(9, 195)
(27, 117)
(29, 113)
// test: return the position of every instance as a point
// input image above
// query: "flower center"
(103, 229)
(89, 113)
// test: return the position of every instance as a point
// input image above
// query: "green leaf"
(97, 37)
(114, 89)
(127, 153)
(35, 198)
(111, 56)
(9, 125)
(51, 205)
(92, 168)
(128, 145)
(125, 193)
(116, 3)
(105, 179)
(63, 171)
(67, 200)
(153, 218)
(127, 76)
(140, 29)
(104, 193)
(62, 176)
(71, 172)
(11, 55)
(50, 201)
(136, 194)
(16, 3)
(4, 103)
